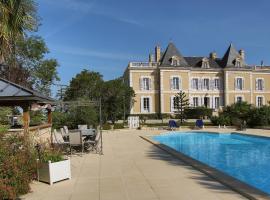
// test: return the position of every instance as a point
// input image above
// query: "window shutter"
(256, 84)
(235, 83)
(150, 105)
(263, 84)
(150, 84)
(141, 83)
(243, 84)
(200, 84)
(212, 84)
(220, 84)
(142, 110)
(180, 83)
(191, 84)
(171, 103)
(171, 83)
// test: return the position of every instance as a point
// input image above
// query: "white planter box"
(54, 172)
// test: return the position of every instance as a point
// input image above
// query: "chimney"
(213, 55)
(151, 57)
(157, 52)
(242, 54)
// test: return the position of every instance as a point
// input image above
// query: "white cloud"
(78, 51)
(89, 7)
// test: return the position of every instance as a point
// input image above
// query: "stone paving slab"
(132, 169)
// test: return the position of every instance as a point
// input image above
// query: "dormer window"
(205, 63)
(175, 61)
(238, 62)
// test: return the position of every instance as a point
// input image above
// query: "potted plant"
(53, 167)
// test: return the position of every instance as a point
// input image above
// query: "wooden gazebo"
(12, 94)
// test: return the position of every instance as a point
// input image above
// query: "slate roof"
(10, 91)
(169, 53)
(197, 62)
(226, 61)
(230, 56)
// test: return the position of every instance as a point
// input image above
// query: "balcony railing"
(142, 64)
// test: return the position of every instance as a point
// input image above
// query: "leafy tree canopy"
(86, 84)
(116, 97)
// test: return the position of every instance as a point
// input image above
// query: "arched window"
(175, 61)
(238, 62)
(205, 63)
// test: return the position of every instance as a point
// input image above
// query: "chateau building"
(208, 81)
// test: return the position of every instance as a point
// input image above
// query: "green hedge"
(198, 112)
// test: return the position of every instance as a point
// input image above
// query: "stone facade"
(208, 81)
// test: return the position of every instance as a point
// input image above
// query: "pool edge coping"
(227, 180)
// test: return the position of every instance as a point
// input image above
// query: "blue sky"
(104, 35)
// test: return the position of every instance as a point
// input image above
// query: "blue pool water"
(246, 158)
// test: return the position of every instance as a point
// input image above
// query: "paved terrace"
(130, 169)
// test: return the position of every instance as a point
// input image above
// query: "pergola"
(12, 95)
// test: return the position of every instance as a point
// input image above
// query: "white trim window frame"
(239, 83)
(175, 83)
(259, 87)
(144, 84)
(195, 85)
(204, 85)
(261, 102)
(216, 103)
(239, 96)
(216, 84)
(146, 105)
(173, 109)
(195, 103)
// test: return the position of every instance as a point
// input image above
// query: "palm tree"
(16, 18)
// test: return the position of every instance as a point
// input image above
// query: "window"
(175, 61)
(205, 63)
(195, 101)
(146, 104)
(239, 99)
(175, 103)
(175, 83)
(206, 84)
(216, 102)
(216, 84)
(239, 83)
(238, 62)
(259, 101)
(195, 83)
(259, 84)
(145, 83)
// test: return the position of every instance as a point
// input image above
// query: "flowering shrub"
(17, 167)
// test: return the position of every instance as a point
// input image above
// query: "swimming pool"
(246, 158)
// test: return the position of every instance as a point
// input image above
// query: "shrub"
(17, 167)
(36, 118)
(106, 126)
(118, 126)
(198, 112)
(220, 120)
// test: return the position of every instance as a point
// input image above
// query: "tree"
(180, 103)
(17, 17)
(116, 99)
(86, 84)
(32, 69)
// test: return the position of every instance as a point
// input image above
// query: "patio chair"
(64, 134)
(199, 123)
(94, 144)
(172, 125)
(82, 127)
(66, 130)
(58, 140)
(76, 140)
